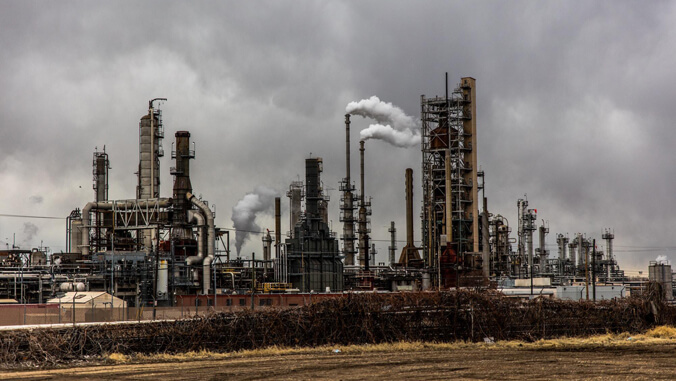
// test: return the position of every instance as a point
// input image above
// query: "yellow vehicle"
(273, 287)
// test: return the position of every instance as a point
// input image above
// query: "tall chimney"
(182, 186)
(278, 226)
(347, 148)
(409, 252)
(409, 207)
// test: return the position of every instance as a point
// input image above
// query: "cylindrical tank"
(426, 284)
(661, 273)
(76, 236)
(162, 280)
(70, 286)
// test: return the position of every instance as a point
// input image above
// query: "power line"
(23, 216)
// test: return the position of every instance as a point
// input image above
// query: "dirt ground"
(636, 362)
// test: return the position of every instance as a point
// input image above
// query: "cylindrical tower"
(347, 202)
(363, 211)
(393, 242)
(151, 133)
(182, 186)
(295, 195)
(278, 226)
(562, 242)
(101, 166)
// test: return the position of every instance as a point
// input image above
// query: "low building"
(88, 299)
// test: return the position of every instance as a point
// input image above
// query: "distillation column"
(295, 195)
(393, 243)
(347, 206)
(562, 242)
(608, 236)
(364, 212)
(449, 135)
(101, 165)
(151, 132)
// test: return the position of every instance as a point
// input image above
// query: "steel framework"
(449, 160)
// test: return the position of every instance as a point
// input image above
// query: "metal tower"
(450, 184)
(347, 205)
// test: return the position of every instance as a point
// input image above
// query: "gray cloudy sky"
(575, 104)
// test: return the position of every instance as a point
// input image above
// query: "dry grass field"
(649, 356)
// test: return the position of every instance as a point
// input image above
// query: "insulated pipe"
(449, 200)
(195, 216)
(198, 217)
(206, 274)
(108, 205)
(211, 234)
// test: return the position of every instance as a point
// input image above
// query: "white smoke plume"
(394, 126)
(261, 200)
(662, 259)
(30, 230)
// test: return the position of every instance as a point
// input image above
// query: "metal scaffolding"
(450, 184)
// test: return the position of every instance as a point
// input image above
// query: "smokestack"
(361, 168)
(410, 252)
(347, 148)
(409, 207)
(182, 186)
(278, 226)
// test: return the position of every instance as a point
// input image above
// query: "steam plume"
(662, 259)
(394, 126)
(30, 230)
(262, 199)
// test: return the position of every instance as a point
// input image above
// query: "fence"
(187, 306)
(353, 319)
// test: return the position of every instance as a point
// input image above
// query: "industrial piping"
(196, 216)
(108, 205)
(211, 234)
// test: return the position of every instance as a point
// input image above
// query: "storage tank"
(660, 272)
(162, 280)
(76, 236)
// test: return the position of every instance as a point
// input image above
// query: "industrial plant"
(150, 249)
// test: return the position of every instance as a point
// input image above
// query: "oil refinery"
(151, 249)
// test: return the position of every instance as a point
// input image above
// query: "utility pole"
(586, 269)
(594, 268)
(253, 279)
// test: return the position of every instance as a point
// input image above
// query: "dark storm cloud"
(574, 101)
